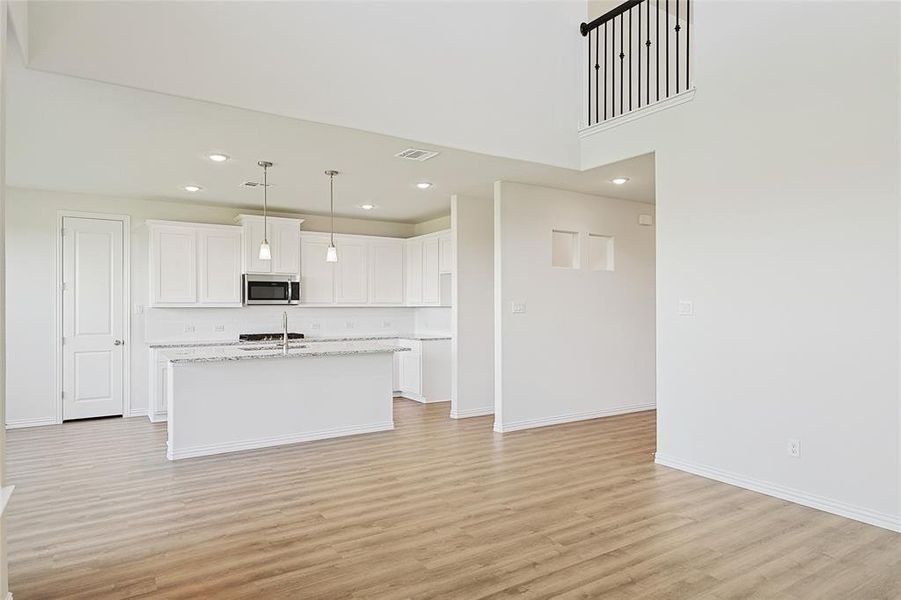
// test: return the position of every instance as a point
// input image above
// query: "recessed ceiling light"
(192, 188)
(423, 185)
(619, 180)
(367, 206)
(218, 157)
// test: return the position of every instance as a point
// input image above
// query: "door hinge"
(63, 342)
(62, 394)
(62, 232)
(64, 286)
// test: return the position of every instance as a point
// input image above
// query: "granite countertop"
(423, 337)
(233, 352)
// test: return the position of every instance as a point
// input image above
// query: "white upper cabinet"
(413, 256)
(431, 287)
(446, 253)
(317, 281)
(173, 264)
(351, 271)
(219, 253)
(386, 281)
(284, 243)
(194, 264)
(284, 237)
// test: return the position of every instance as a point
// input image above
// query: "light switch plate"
(646, 220)
(518, 307)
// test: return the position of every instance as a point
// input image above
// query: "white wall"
(508, 73)
(472, 378)
(777, 197)
(30, 227)
(584, 347)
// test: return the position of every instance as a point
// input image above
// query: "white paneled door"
(93, 318)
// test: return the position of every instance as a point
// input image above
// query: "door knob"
(118, 342)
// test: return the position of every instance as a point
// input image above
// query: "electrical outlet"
(314, 325)
(686, 308)
(386, 324)
(518, 307)
(139, 309)
(189, 329)
(794, 448)
(349, 324)
(220, 328)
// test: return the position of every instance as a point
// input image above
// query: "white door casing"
(93, 319)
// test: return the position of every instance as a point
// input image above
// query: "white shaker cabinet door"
(317, 284)
(387, 272)
(351, 272)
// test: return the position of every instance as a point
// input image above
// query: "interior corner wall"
(583, 344)
(778, 217)
(472, 308)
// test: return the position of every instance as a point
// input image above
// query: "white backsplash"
(209, 324)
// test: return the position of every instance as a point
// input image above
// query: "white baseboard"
(156, 417)
(417, 398)
(864, 515)
(471, 412)
(136, 413)
(570, 417)
(280, 440)
(20, 423)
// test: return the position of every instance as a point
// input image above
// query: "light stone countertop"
(269, 350)
(423, 337)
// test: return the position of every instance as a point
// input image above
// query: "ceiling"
(71, 134)
(491, 76)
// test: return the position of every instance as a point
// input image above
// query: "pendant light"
(331, 254)
(265, 252)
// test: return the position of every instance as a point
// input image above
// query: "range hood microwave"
(271, 289)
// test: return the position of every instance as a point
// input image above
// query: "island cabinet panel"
(317, 282)
(431, 290)
(283, 235)
(220, 265)
(194, 264)
(386, 272)
(351, 272)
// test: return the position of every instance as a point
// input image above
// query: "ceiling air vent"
(416, 154)
(254, 184)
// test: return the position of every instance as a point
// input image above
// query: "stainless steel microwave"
(271, 289)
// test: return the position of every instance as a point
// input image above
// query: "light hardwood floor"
(435, 509)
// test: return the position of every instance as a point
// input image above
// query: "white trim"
(472, 412)
(56, 308)
(570, 417)
(836, 507)
(5, 493)
(638, 113)
(137, 412)
(279, 440)
(417, 397)
(20, 423)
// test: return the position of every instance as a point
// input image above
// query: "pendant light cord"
(265, 202)
(331, 193)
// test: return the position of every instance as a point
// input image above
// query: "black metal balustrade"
(638, 53)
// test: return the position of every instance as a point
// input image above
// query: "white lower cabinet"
(424, 373)
(158, 374)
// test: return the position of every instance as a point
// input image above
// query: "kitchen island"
(229, 398)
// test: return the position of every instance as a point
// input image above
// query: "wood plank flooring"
(435, 509)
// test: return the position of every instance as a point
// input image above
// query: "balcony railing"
(639, 54)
